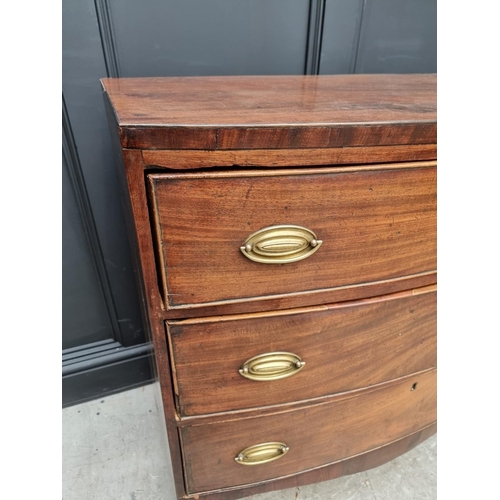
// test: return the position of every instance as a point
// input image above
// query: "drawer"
(343, 427)
(344, 346)
(368, 225)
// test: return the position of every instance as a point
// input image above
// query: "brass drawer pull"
(261, 453)
(280, 244)
(272, 366)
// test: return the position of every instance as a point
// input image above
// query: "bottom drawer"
(330, 430)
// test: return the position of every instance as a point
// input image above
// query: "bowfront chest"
(285, 235)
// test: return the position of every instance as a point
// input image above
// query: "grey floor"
(115, 449)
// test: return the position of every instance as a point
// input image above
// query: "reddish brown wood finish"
(343, 427)
(358, 463)
(272, 158)
(274, 111)
(333, 136)
(345, 346)
(375, 225)
(304, 299)
(357, 121)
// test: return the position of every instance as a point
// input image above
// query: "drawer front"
(369, 226)
(315, 436)
(344, 347)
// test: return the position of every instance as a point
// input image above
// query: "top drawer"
(372, 224)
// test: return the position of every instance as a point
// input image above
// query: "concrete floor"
(115, 449)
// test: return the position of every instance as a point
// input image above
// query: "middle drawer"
(245, 361)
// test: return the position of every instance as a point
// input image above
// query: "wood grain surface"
(246, 112)
(316, 435)
(272, 158)
(345, 346)
(358, 463)
(375, 225)
(305, 299)
(377, 220)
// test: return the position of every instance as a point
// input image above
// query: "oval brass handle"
(272, 366)
(261, 453)
(280, 244)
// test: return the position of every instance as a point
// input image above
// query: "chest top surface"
(236, 112)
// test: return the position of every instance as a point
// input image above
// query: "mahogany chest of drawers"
(285, 229)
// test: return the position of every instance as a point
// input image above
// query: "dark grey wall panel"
(112, 376)
(315, 35)
(341, 27)
(216, 37)
(85, 317)
(83, 65)
(398, 36)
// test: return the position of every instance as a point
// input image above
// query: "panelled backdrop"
(104, 346)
